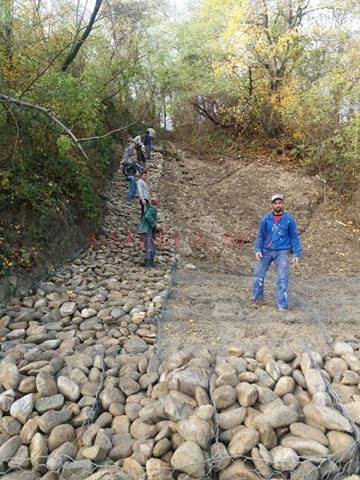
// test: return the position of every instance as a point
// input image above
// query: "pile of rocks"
(83, 394)
(248, 415)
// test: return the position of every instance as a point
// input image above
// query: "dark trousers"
(143, 208)
(139, 155)
(148, 240)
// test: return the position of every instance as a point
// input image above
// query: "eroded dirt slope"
(215, 208)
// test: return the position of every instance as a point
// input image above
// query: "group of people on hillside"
(134, 169)
(277, 236)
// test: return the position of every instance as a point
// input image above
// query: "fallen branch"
(48, 113)
(106, 134)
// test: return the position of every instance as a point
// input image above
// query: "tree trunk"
(75, 50)
(6, 36)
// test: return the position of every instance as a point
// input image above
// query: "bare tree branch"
(48, 113)
(40, 74)
(106, 134)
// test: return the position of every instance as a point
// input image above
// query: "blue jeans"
(132, 189)
(280, 258)
(148, 152)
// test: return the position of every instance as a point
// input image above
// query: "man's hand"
(258, 255)
(296, 261)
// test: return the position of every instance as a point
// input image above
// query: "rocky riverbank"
(85, 395)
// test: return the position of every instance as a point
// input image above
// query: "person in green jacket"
(147, 230)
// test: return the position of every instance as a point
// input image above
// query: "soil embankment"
(215, 208)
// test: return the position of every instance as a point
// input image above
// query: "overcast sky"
(179, 5)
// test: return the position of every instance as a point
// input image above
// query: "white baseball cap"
(277, 196)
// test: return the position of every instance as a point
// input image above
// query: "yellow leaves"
(5, 179)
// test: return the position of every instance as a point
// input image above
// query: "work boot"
(259, 302)
(147, 263)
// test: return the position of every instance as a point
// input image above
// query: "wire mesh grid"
(215, 459)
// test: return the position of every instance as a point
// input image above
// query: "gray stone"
(277, 416)
(61, 434)
(243, 442)
(311, 433)
(342, 445)
(68, 388)
(67, 309)
(9, 375)
(52, 418)
(195, 429)
(45, 384)
(239, 470)
(128, 385)
(60, 455)
(231, 418)
(224, 397)
(21, 459)
(38, 452)
(326, 417)
(9, 448)
(305, 471)
(7, 399)
(10, 426)
(77, 470)
(189, 458)
(134, 345)
(188, 380)
(284, 458)
(54, 402)
(304, 447)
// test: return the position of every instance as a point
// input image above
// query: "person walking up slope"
(277, 237)
(131, 169)
(147, 230)
(148, 142)
(143, 192)
(138, 148)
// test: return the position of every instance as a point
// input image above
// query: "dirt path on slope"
(215, 209)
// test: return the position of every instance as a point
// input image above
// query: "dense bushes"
(45, 179)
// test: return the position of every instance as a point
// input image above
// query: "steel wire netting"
(214, 460)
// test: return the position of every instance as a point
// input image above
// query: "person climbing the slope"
(130, 169)
(128, 152)
(149, 143)
(143, 192)
(277, 237)
(138, 148)
(147, 230)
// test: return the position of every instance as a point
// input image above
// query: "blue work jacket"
(281, 235)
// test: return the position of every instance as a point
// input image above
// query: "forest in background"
(280, 74)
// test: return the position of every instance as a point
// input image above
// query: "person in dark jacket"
(147, 230)
(138, 148)
(130, 170)
(149, 143)
(277, 237)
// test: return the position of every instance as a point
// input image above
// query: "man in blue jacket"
(277, 237)
(149, 143)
